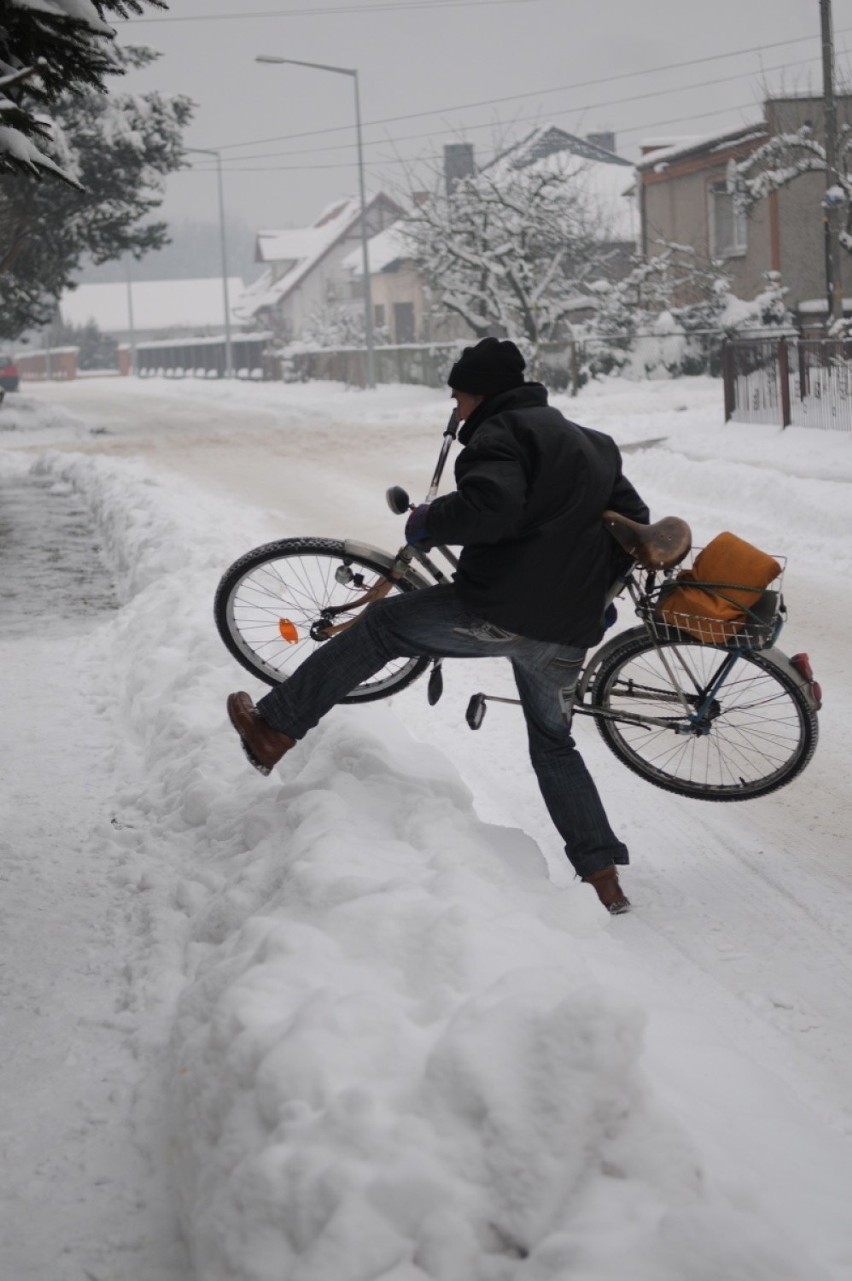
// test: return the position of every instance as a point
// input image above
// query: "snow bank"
(392, 1057)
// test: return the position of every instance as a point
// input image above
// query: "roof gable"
(300, 250)
(549, 140)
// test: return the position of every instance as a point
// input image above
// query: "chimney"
(605, 140)
(458, 163)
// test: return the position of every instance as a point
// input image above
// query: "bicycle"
(705, 711)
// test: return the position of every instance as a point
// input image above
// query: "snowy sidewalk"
(83, 1187)
(404, 1044)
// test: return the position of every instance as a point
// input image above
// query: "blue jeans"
(434, 622)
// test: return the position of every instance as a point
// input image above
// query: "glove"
(415, 526)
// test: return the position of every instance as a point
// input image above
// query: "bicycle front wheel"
(755, 735)
(273, 603)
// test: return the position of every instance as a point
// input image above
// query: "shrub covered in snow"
(669, 314)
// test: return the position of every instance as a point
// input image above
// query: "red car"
(9, 376)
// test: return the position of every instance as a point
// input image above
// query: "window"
(730, 224)
(403, 321)
(379, 315)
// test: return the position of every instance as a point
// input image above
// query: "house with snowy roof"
(606, 181)
(303, 272)
(604, 177)
(686, 197)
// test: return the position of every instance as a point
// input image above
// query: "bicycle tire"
(760, 734)
(293, 580)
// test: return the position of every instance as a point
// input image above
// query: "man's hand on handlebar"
(416, 534)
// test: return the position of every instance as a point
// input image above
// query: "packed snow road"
(407, 1045)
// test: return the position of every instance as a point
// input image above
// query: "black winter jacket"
(531, 488)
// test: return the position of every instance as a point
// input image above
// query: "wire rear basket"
(735, 615)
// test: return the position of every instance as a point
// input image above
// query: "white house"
(304, 275)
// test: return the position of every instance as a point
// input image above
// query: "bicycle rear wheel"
(757, 734)
(271, 603)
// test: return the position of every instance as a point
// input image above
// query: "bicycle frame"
(571, 701)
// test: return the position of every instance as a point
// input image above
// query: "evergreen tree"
(95, 350)
(49, 48)
(120, 149)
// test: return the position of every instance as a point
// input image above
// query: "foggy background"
(439, 71)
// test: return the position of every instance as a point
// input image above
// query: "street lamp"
(210, 151)
(368, 293)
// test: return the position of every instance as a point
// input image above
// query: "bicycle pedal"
(475, 713)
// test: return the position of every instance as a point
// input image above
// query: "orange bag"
(711, 600)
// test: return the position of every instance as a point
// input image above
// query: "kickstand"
(436, 683)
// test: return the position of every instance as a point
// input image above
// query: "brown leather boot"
(609, 891)
(263, 745)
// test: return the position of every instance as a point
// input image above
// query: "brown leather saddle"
(661, 545)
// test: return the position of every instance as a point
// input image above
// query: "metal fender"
(782, 662)
(602, 654)
(411, 575)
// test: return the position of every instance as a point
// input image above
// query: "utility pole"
(131, 328)
(833, 279)
(223, 256)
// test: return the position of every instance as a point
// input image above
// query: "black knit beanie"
(490, 367)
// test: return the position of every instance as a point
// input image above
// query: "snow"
(22, 149)
(606, 186)
(157, 304)
(357, 1020)
(385, 248)
(296, 252)
(82, 11)
(660, 154)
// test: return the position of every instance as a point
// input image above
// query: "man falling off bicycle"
(534, 569)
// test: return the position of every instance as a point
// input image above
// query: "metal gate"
(803, 382)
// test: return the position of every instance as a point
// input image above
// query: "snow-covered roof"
(157, 304)
(548, 140)
(660, 142)
(297, 244)
(388, 247)
(701, 143)
(605, 178)
(302, 248)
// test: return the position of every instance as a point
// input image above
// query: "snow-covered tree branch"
(119, 150)
(668, 304)
(784, 158)
(511, 250)
(47, 48)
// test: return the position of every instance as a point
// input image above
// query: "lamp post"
(210, 151)
(365, 255)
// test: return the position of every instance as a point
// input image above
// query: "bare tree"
(511, 250)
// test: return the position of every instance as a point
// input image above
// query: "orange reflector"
(288, 630)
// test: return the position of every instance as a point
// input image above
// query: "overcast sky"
(473, 71)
